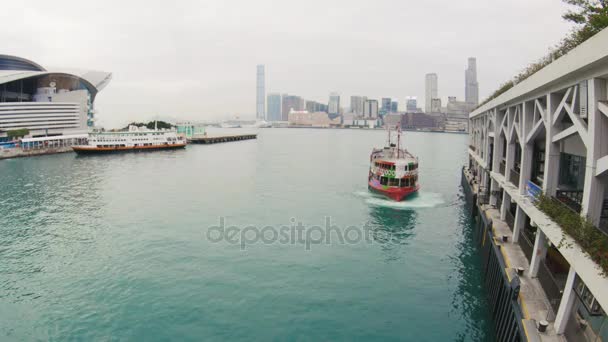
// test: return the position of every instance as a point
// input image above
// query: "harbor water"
(270, 239)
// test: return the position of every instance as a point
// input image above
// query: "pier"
(221, 139)
(538, 165)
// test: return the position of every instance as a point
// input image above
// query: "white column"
(493, 197)
(552, 154)
(520, 221)
(506, 202)
(565, 306)
(538, 253)
(597, 147)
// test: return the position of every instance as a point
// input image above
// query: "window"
(588, 299)
(383, 181)
(393, 182)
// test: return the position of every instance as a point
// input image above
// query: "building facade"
(260, 93)
(394, 107)
(47, 103)
(431, 91)
(471, 86)
(334, 104)
(386, 104)
(274, 107)
(539, 154)
(411, 104)
(289, 103)
(357, 103)
(370, 109)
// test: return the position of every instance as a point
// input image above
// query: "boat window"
(393, 182)
(383, 180)
(393, 167)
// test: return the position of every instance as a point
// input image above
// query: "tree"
(591, 15)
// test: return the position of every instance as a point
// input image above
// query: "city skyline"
(203, 70)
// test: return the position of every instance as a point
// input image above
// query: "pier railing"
(502, 293)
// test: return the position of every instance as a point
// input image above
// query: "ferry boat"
(393, 171)
(135, 139)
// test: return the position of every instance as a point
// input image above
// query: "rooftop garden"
(589, 18)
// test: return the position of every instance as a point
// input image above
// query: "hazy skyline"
(197, 60)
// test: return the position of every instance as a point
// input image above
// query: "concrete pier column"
(552, 154)
(520, 221)
(526, 167)
(597, 147)
(493, 188)
(506, 202)
(565, 306)
(538, 253)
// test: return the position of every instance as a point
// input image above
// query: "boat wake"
(416, 201)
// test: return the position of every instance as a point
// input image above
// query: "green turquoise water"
(125, 246)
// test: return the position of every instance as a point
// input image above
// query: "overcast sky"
(196, 59)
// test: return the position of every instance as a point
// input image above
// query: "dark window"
(383, 180)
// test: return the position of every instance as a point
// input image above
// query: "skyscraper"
(334, 104)
(261, 93)
(290, 102)
(471, 90)
(370, 109)
(274, 107)
(386, 104)
(394, 107)
(356, 104)
(411, 104)
(431, 86)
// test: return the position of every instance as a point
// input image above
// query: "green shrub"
(591, 240)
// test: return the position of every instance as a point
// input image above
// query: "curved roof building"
(47, 102)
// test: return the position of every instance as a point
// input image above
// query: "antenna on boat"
(399, 138)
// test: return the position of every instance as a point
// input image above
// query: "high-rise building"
(334, 104)
(411, 104)
(386, 104)
(315, 107)
(431, 91)
(394, 107)
(471, 95)
(274, 107)
(260, 93)
(370, 109)
(289, 103)
(356, 104)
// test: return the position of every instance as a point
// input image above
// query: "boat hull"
(102, 150)
(393, 193)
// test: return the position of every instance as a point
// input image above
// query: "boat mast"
(398, 142)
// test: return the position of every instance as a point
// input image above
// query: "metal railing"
(573, 199)
(514, 177)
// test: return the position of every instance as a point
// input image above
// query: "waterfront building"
(394, 107)
(289, 103)
(411, 104)
(317, 119)
(274, 107)
(261, 93)
(431, 91)
(548, 135)
(370, 109)
(334, 104)
(43, 103)
(386, 104)
(357, 103)
(471, 86)
(418, 121)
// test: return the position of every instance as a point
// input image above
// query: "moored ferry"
(136, 139)
(393, 171)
